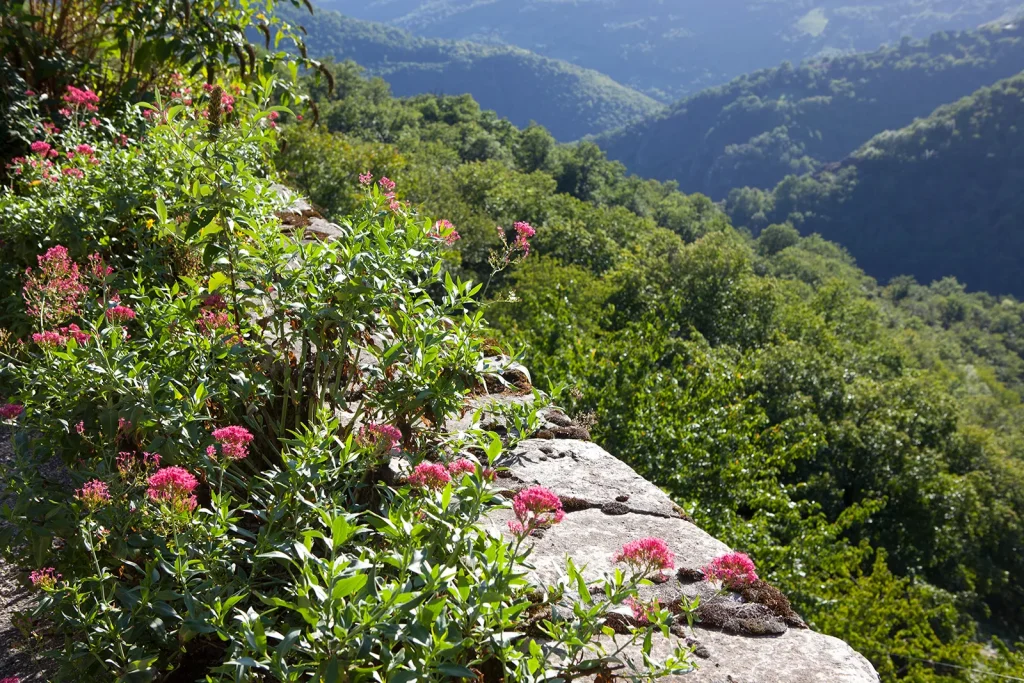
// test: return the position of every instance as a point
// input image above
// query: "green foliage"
(521, 86)
(934, 199)
(215, 429)
(862, 443)
(764, 126)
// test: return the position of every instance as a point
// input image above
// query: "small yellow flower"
(149, 223)
(35, 182)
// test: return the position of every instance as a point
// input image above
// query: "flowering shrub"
(646, 556)
(732, 570)
(199, 373)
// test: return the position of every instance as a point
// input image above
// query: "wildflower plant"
(226, 398)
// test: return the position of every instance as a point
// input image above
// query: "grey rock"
(798, 656)
(584, 470)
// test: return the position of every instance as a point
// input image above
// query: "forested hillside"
(864, 443)
(671, 49)
(938, 198)
(522, 86)
(787, 120)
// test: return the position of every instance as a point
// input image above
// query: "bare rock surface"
(608, 505)
(583, 471)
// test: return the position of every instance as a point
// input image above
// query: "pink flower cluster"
(429, 475)
(10, 679)
(535, 508)
(56, 338)
(98, 267)
(55, 292)
(524, 231)
(43, 149)
(366, 179)
(734, 570)
(126, 462)
(79, 98)
(47, 577)
(93, 494)
(383, 438)
(642, 612)
(234, 442)
(10, 411)
(174, 486)
(120, 314)
(646, 556)
(445, 231)
(462, 466)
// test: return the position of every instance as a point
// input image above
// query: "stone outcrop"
(608, 505)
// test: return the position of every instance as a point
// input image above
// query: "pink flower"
(100, 270)
(234, 441)
(120, 314)
(77, 97)
(93, 494)
(273, 116)
(642, 612)
(444, 230)
(429, 475)
(215, 301)
(76, 333)
(381, 437)
(41, 148)
(80, 428)
(47, 577)
(173, 485)
(126, 462)
(535, 508)
(734, 570)
(386, 184)
(54, 292)
(11, 679)
(211, 321)
(86, 150)
(647, 555)
(73, 172)
(10, 411)
(65, 112)
(50, 339)
(462, 466)
(524, 231)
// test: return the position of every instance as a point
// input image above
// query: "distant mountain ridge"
(763, 126)
(940, 197)
(568, 100)
(670, 49)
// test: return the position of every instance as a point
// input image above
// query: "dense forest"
(787, 120)
(863, 442)
(670, 50)
(938, 198)
(522, 86)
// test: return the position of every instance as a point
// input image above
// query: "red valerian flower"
(430, 475)
(381, 437)
(54, 292)
(77, 97)
(642, 612)
(93, 494)
(120, 314)
(10, 411)
(646, 555)
(47, 577)
(462, 466)
(173, 485)
(234, 441)
(386, 184)
(535, 508)
(734, 570)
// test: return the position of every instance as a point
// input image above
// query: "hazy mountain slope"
(521, 86)
(761, 127)
(939, 197)
(673, 48)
